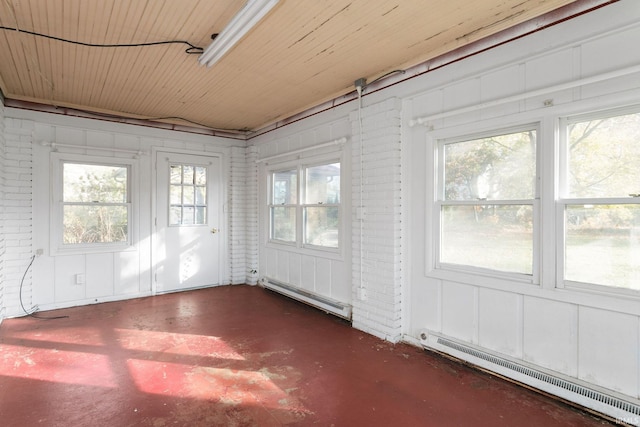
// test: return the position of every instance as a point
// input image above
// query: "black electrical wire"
(33, 314)
(191, 50)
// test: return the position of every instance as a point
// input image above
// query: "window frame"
(300, 166)
(57, 245)
(562, 202)
(452, 136)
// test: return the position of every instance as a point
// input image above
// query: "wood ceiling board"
(302, 54)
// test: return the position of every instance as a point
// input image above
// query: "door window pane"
(187, 194)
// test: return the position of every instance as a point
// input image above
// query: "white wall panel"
(100, 275)
(340, 285)
(459, 311)
(462, 94)
(282, 266)
(500, 321)
(427, 312)
(308, 273)
(66, 270)
(295, 265)
(551, 334)
(129, 279)
(608, 349)
(603, 54)
(323, 276)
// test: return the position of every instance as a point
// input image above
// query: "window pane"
(603, 245)
(187, 174)
(501, 167)
(321, 226)
(488, 236)
(175, 215)
(188, 195)
(94, 183)
(283, 223)
(188, 215)
(201, 215)
(323, 184)
(95, 224)
(188, 200)
(285, 187)
(175, 196)
(175, 174)
(603, 157)
(201, 196)
(200, 175)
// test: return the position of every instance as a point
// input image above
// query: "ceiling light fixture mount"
(250, 14)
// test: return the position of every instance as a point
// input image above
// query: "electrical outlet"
(39, 252)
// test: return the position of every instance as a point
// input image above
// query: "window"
(95, 203)
(316, 202)
(187, 194)
(94, 208)
(600, 200)
(486, 203)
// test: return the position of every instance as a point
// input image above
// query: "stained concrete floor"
(241, 356)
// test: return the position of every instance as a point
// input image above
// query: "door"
(186, 248)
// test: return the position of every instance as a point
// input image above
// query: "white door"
(186, 248)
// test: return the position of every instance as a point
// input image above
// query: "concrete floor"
(241, 356)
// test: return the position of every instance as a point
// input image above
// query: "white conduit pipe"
(302, 150)
(569, 85)
(55, 145)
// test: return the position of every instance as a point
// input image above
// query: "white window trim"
(473, 274)
(561, 202)
(56, 246)
(299, 245)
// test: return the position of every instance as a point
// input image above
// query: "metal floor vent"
(549, 379)
(327, 304)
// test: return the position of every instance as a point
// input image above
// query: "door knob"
(214, 230)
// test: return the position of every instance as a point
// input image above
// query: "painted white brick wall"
(251, 224)
(237, 215)
(18, 213)
(2, 238)
(377, 246)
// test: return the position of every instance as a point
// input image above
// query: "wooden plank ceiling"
(303, 53)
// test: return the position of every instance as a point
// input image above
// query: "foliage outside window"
(485, 203)
(284, 198)
(95, 203)
(311, 194)
(600, 200)
(322, 205)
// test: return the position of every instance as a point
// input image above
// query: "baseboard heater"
(602, 401)
(329, 305)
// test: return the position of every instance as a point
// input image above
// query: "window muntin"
(486, 202)
(599, 203)
(187, 194)
(304, 206)
(95, 203)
